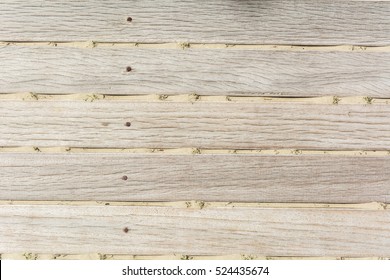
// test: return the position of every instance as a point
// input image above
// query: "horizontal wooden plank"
(251, 21)
(207, 177)
(200, 71)
(218, 125)
(210, 231)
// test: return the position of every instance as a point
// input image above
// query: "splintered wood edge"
(194, 97)
(103, 256)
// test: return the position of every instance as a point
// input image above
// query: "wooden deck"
(194, 129)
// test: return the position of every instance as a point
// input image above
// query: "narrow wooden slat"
(201, 71)
(223, 125)
(210, 231)
(209, 177)
(260, 22)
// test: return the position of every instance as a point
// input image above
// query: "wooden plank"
(207, 177)
(256, 22)
(209, 231)
(218, 125)
(201, 71)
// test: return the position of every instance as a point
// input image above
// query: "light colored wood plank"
(260, 22)
(210, 231)
(223, 125)
(211, 177)
(201, 71)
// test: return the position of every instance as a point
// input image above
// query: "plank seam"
(191, 98)
(200, 205)
(197, 151)
(106, 256)
(194, 45)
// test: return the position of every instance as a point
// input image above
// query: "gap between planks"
(104, 256)
(185, 98)
(186, 45)
(199, 205)
(196, 151)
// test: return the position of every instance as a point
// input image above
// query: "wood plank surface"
(209, 231)
(84, 194)
(201, 71)
(251, 21)
(207, 177)
(218, 125)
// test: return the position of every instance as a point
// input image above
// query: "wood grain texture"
(194, 125)
(250, 21)
(201, 71)
(211, 177)
(210, 231)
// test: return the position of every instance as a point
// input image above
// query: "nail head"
(128, 124)
(129, 19)
(128, 69)
(124, 178)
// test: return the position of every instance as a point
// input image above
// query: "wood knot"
(126, 230)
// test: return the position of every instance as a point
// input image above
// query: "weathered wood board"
(208, 177)
(209, 231)
(157, 173)
(218, 125)
(201, 71)
(247, 22)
